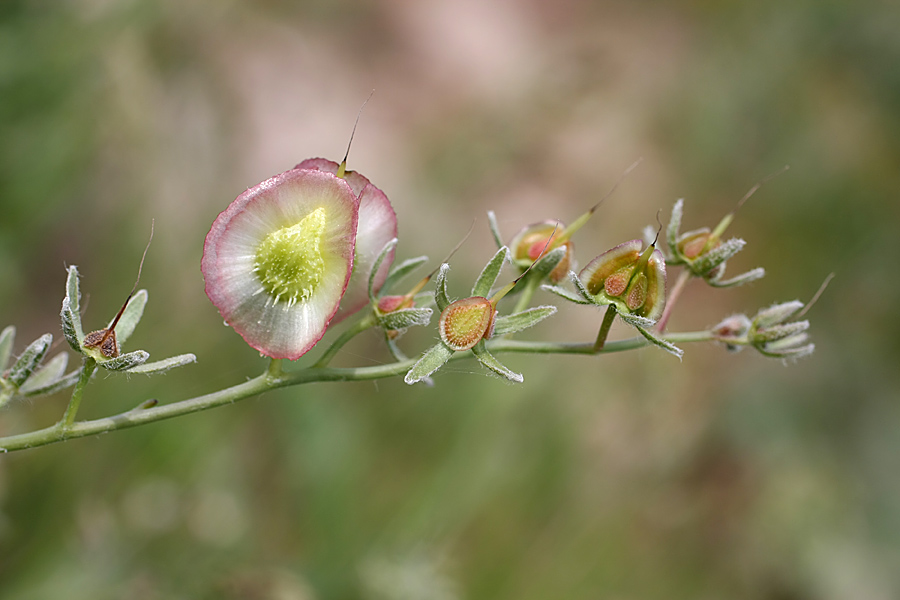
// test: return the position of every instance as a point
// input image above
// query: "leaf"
(7, 338)
(440, 288)
(376, 266)
(402, 270)
(134, 310)
(405, 318)
(522, 320)
(433, 359)
(161, 366)
(673, 229)
(29, 360)
(489, 275)
(737, 280)
(48, 374)
(495, 228)
(488, 360)
(125, 362)
(399, 356)
(564, 293)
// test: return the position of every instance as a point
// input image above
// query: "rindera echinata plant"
(311, 251)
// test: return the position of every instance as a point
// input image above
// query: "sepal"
(376, 266)
(48, 374)
(7, 338)
(566, 294)
(404, 318)
(742, 279)
(522, 320)
(402, 270)
(161, 366)
(489, 274)
(495, 228)
(29, 361)
(487, 359)
(71, 311)
(716, 256)
(440, 288)
(125, 362)
(134, 310)
(433, 359)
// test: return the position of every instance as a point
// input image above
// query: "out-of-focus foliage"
(626, 476)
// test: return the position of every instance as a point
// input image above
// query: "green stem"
(266, 382)
(87, 369)
(605, 326)
(365, 323)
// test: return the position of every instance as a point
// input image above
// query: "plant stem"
(605, 326)
(365, 323)
(87, 369)
(682, 280)
(266, 382)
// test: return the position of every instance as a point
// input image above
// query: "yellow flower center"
(289, 262)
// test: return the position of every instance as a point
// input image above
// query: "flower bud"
(540, 238)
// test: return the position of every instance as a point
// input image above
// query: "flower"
(377, 226)
(278, 260)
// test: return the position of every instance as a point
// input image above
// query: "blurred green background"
(627, 476)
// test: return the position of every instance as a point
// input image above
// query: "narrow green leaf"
(7, 338)
(376, 266)
(440, 288)
(62, 383)
(71, 323)
(405, 318)
(495, 228)
(488, 360)
(431, 361)
(131, 317)
(564, 293)
(673, 228)
(125, 362)
(737, 280)
(48, 374)
(161, 366)
(29, 360)
(522, 320)
(489, 275)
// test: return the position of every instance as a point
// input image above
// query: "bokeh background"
(625, 476)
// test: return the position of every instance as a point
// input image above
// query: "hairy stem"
(366, 322)
(87, 369)
(608, 317)
(271, 380)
